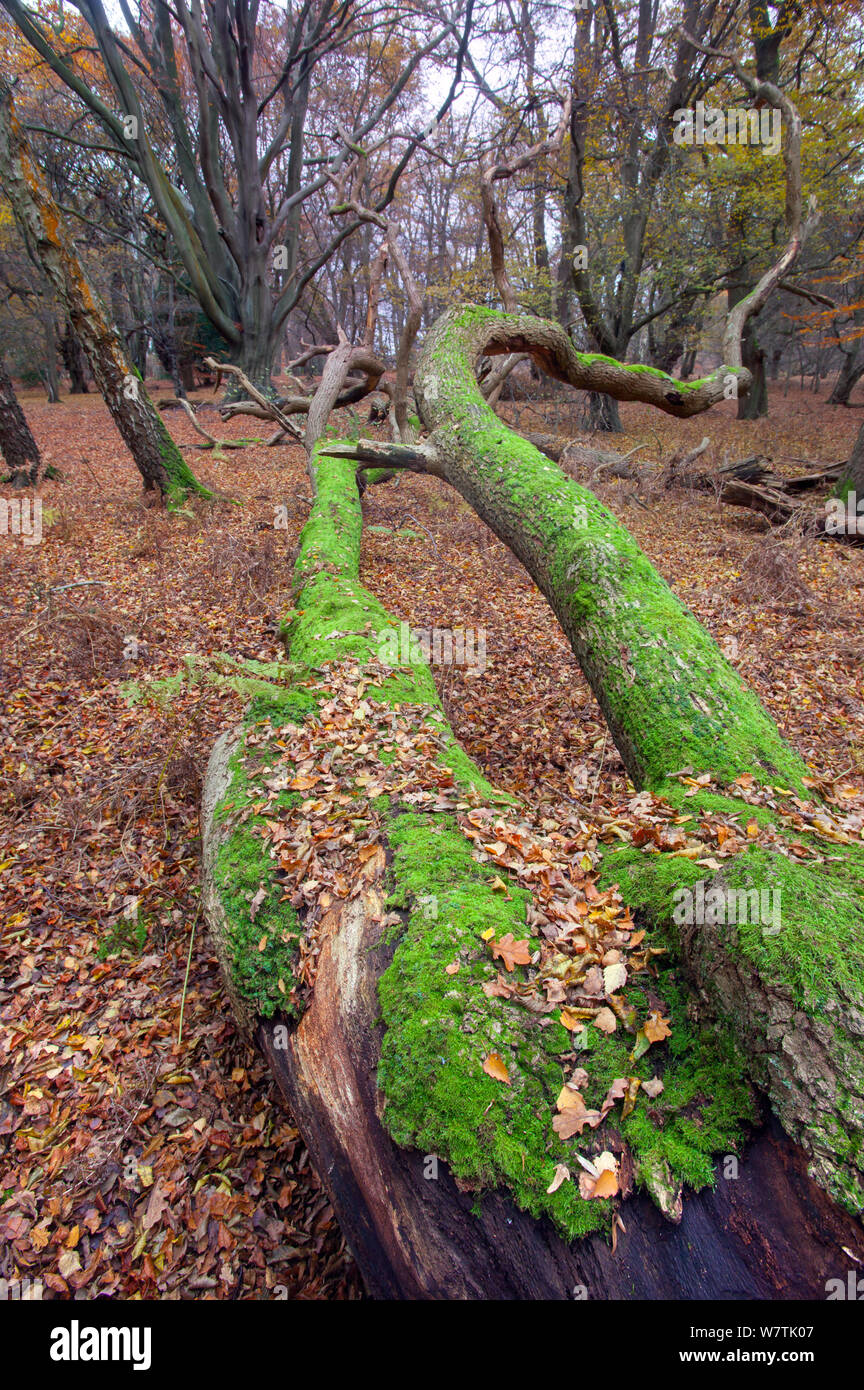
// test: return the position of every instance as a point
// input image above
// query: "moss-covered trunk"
(347, 884)
(156, 456)
(793, 994)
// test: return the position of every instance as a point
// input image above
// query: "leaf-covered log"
(793, 998)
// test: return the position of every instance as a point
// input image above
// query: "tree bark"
(852, 477)
(159, 461)
(17, 445)
(672, 701)
(376, 1106)
(73, 361)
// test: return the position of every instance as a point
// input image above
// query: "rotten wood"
(769, 1233)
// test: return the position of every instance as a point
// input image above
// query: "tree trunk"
(850, 374)
(156, 456)
(74, 361)
(17, 445)
(601, 413)
(755, 404)
(52, 376)
(671, 701)
(423, 1150)
(852, 478)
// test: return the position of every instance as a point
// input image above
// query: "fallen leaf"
(569, 1100)
(562, 1174)
(657, 1028)
(511, 952)
(614, 978)
(494, 1067)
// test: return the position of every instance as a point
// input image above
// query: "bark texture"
(672, 701)
(17, 445)
(852, 477)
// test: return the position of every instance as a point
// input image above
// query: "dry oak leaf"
(574, 1121)
(494, 1067)
(653, 1087)
(497, 987)
(511, 952)
(570, 1100)
(657, 1028)
(617, 1091)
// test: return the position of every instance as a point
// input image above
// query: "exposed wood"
(769, 1233)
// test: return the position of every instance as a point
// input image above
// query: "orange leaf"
(494, 1067)
(657, 1028)
(606, 1185)
(512, 952)
(569, 1100)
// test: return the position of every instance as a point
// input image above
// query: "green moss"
(441, 1027)
(818, 953)
(670, 697)
(264, 949)
(181, 481)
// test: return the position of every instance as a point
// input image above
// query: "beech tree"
(157, 457)
(462, 1074)
(17, 445)
(232, 85)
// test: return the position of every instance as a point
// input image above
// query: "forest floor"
(142, 1158)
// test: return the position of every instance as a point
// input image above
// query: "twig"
(186, 977)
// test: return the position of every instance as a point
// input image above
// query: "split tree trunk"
(418, 1232)
(17, 445)
(157, 457)
(670, 699)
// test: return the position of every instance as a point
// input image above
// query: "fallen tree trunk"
(578, 457)
(348, 755)
(793, 1000)
(433, 1215)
